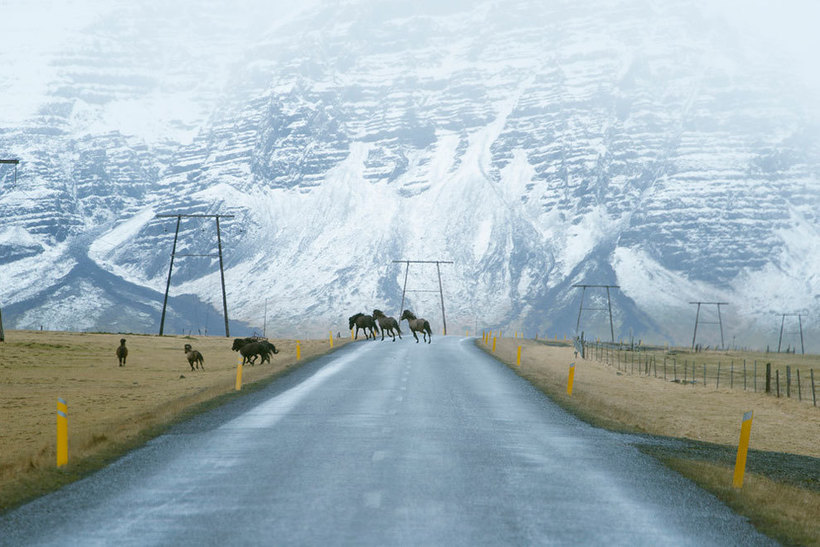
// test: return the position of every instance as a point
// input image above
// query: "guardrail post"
(238, 373)
(62, 432)
(742, 449)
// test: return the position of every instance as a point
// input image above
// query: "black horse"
(362, 321)
(387, 324)
(418, 325)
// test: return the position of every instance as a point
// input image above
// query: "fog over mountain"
(670, 148)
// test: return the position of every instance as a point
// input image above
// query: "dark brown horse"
(194, 357)
(418, 325)
(122, 352)
(387, 324)
(363, 322)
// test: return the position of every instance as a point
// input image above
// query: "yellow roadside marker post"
(351, 334)
(62, 432)
(493, 344)
(238, 373)
(518, 359)
(298, 350)
(742, 448)
(571, 378)
(331, 339)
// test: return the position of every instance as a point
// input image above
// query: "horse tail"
(396, 324)
(427, 328)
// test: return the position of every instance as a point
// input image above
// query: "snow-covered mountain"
(535, 144)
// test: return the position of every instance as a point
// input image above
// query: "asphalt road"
(384, 443)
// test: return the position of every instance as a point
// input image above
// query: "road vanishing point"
(383, 443)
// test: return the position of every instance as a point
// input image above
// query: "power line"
(800, 323)
(719, 321)
(440, 289)
(608, 308)
(179, 218)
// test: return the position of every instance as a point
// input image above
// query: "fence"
(712, 370)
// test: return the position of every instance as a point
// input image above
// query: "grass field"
(781, 492)
(113, 409)
(110, 408)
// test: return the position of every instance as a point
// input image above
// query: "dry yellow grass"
(623, 401)
(651, 405)
(109, 407)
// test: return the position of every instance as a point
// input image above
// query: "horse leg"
(416, 336)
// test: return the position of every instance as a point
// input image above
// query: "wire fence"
(716, 370)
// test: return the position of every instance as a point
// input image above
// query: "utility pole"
(440, 289)
(608, 308)
(15, 163)
(698, 320)
(799, 322)
(179, 218)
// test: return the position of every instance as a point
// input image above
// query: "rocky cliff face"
(534, 146)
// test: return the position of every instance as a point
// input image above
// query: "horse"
(250, 348)
(418, 325)
(364, 322)
(387, 324)
(122, 352)
(194, 357)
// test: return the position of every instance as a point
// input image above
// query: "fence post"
(813, 397)
(732, 375)
(755, 376)
(788, 381)
(704, 374)
(744, 375)
(717, 382)
(664, 369)
(685, 369)
(768, 377)
(777, 381)
(799, 394)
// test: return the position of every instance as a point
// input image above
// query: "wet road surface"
(384, 443)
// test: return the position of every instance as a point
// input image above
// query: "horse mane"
(408, 315)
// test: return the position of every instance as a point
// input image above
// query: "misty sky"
(33, 31)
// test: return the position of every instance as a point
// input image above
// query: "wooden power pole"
(179, 218)
(440, 289)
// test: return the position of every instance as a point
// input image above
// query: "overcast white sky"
(32, 31)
